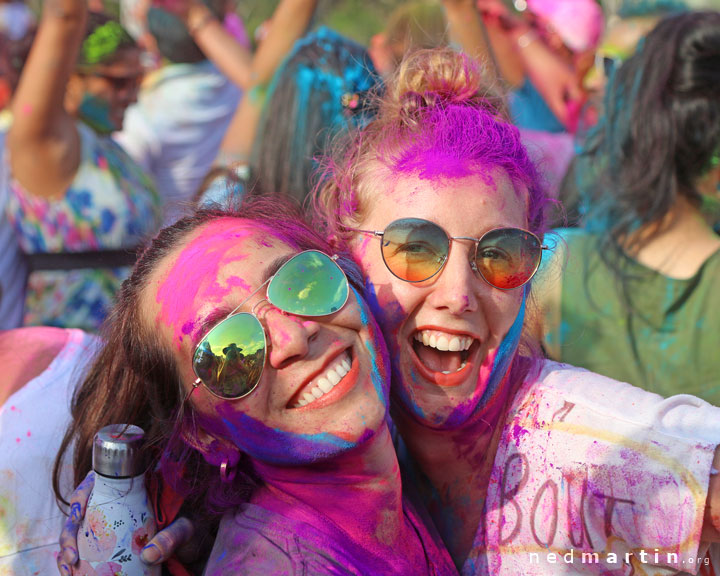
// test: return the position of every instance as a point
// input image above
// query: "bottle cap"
(117, 451)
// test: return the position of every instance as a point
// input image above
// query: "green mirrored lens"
(231, 357)
(309, 284)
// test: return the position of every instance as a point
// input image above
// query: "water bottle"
(119, 520)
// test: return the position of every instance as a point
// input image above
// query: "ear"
(333, 240)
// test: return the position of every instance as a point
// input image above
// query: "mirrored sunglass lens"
(230, 359)
(309, 284)
(414, 249)
(508, 257)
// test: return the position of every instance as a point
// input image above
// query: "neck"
(676, 246)
(359, 492)
(453, 469)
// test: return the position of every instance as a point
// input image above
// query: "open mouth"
(444, 357)
(336, 373)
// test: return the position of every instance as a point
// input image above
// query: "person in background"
(630, 293)
(411, 26)
(79, 218)
(540, 56)
(289, 22)
(41, 367)
(323, 88)
(183, 110)
(624, 31)
(15, 44)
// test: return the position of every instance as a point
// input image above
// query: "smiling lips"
(442, 357)
(324, 383)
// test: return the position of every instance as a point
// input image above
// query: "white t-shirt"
(32, 423)
(588, 464)
(13, 272)
(175, 129)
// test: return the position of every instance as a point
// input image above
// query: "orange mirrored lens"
(413, 249)
(508, 257)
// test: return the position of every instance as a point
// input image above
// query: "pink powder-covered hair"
(439, 118)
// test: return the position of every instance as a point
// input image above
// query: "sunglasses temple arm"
(251, 295)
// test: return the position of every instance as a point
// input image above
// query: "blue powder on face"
(501, 365)
(275, 446)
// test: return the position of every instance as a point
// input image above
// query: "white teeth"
(326, 382)
(442, 342)
(327, 385)
(458, 370)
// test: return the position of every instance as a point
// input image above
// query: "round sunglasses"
(230, 358)
(415, 250)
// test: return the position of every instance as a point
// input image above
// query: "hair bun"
(441, 77)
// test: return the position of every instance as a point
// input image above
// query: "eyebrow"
(272, 268)
(213, 317)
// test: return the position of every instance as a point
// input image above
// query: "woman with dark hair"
(78, 203)
(242, 345)
(640, 282)
(322, 89)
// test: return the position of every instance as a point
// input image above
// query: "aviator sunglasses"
(230, 358)
(415, 250)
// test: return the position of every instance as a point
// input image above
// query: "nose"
(289, 337)
(458, 287)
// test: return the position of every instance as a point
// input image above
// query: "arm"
(25, 353)
(466, 29)
(231, 57)
(43, 133)
(290, 20)
(555, 80)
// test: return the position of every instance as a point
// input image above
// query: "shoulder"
(27, 353)
(603, 401)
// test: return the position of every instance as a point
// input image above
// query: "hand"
(68, 556)
(177, 537)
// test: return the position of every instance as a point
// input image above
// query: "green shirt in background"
(668, 342)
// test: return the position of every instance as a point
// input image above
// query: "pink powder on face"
(196, 277)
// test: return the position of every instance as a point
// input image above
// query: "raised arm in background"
(42, 128)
